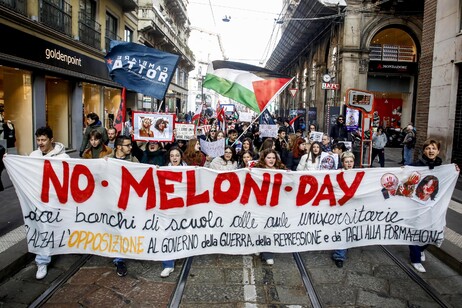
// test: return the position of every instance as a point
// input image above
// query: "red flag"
(120, 118)
(291, 123)
(197, 115)
(220, 113)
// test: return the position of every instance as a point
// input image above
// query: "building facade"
(52, 68)
(367, 45)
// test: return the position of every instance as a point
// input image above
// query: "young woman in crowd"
(310, 161)
(247, 145)
(174, 159)
(298, 150)
(245, 158)
(212, 135)
(269, 159)
(97, 148)
(220, 135)
(226, 162)
(348, 162)
(193, 155)
(154, 154)
(267, 144)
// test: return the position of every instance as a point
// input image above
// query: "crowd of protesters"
(243, 148)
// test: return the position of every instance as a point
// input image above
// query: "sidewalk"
(13, 248)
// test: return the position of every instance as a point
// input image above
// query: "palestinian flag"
(250, 85)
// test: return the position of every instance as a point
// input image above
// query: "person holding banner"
(430, 151)
(123, 151)
(298, 150)
(348, 162)
(193, 155)
(310, 161)
(97, 148)
(46, 148)
(246, 159)
(269, 159)
(93, 122)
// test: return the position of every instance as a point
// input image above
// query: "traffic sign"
(293, 91)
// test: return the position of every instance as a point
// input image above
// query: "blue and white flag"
(266, 118)
(140, 68)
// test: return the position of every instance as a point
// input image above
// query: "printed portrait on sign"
(153, 126)
(427, 189)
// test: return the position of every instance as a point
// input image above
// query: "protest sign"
(149, 126)
(268, 130)
(328, 161)
(116, 208)
(316, 136)
(214, 148)
(185, 131)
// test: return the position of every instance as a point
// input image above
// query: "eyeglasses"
(213, 131)
(340, 120)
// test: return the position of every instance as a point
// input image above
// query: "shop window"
(57, 109)
(91, 100)
(16, 106)
(111, 99)
(393, 44)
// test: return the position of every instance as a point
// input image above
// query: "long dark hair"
(261, 161)
(314, 156)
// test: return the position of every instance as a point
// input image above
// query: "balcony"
(57, 17)
(179, 9)
(111, 36)
(128, 5)
(159, 33)
(89, 31)
(18, 6)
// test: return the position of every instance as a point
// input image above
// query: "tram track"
(308, 265)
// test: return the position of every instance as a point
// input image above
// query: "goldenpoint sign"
(116, 208)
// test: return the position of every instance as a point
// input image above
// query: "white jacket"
(219, 163)
(307, 164)
(58, 151)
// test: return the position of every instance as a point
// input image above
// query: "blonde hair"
(347, 154)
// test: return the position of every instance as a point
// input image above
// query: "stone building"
(52, 68)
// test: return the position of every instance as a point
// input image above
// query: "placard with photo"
(150, 126)
(316, 136)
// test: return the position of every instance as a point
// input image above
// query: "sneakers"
(166, 272)
(419, 267)
(422, 256)
(121, 268)
(339, 263)
(42, 271)
(269, 261)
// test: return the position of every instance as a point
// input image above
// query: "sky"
(249, 36)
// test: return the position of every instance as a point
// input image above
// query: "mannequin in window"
(9, 134)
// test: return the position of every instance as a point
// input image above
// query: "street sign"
(293, 91)
(330, 86)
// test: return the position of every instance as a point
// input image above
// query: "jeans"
(381, 154)
(267, 255)
(168, 264)
(339, 254)
(415, 252)
(408, 153)
(42, 259)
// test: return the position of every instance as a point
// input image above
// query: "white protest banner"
(245, 116)
(117, 208)
(268, 130)
(316, 136)
(185, 131)
(214, 148)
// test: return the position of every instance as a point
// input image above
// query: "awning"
(299, 33)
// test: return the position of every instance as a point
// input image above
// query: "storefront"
(45, 82)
